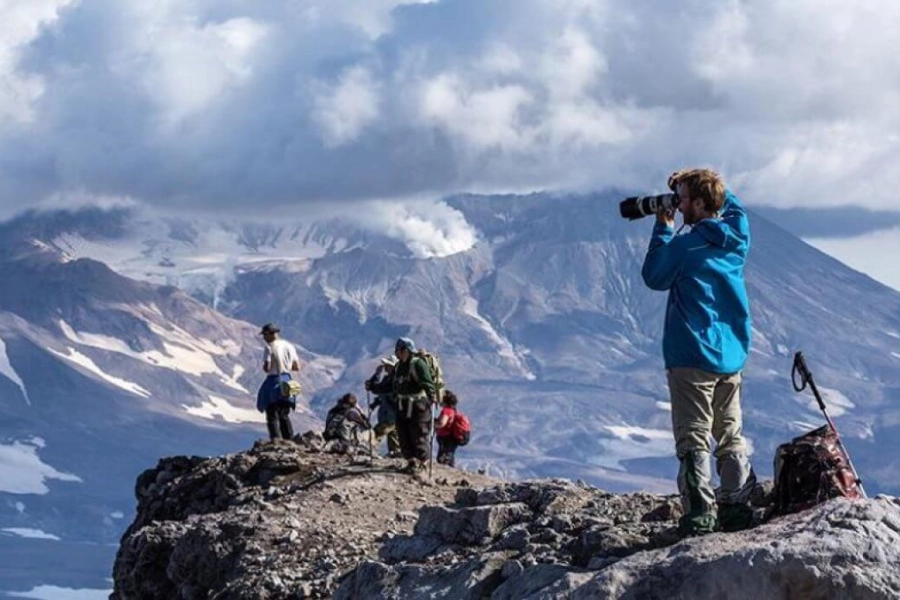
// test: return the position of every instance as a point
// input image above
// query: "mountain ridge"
(545, 330)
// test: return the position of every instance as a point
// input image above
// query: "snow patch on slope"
(183, 352)
(52, 592)
(23, 472)
(504, 348)
(81, 360)
(32, 534)
(836, 402)
(7, 370)
(220, 408)
(628, 443)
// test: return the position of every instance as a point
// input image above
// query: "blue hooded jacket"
(708, 313)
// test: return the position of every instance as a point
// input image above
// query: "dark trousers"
(278, 420)
(447, 451)
(414, 429)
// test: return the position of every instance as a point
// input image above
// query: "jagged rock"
(282, 521)
(475, 579)
(841, 549)
(276, 521)
(469, 525)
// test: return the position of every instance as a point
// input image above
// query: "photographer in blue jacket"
(706, 342)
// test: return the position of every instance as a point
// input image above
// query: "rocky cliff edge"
(284, 520)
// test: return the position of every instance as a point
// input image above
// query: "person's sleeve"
(357, 416)
(734, 215)
(663, 260)
(385, 386)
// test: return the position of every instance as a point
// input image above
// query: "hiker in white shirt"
(279, 360)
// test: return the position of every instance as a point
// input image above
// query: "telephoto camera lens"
(637, 207)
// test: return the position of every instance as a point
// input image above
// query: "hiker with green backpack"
(415, 392)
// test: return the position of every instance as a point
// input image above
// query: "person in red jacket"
(447, 442)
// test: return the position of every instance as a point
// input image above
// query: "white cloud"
(187, 66)
(344, 110)
(20, 23)
(481, 119)
(212, 104)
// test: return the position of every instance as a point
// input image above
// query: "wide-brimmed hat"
(269, 328)
(390, 360)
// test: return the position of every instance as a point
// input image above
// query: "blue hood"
(707, 314)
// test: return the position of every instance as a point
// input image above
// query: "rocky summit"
(287, 520)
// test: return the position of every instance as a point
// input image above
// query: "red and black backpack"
(461, 429)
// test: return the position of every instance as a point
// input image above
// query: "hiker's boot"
(737, 477)
(738, 481)
(411, 466)
(697, 497)
(735, 517)
(696, 525)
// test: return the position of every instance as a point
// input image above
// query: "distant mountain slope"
(99, 375)
(546, 329)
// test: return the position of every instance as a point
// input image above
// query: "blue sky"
(257, 106)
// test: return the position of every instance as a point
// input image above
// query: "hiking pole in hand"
(806, 377)
(431, 443)
(369, 421)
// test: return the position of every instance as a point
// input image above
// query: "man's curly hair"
(705, 184)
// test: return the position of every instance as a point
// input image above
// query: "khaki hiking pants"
(705, 404)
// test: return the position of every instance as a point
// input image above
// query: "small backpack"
(335, 423)
(461, 429)
(289, 389)
(812, 469)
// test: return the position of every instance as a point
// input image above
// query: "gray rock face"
(265, 523)
(842, 549)
(579, 542)
(285, 520)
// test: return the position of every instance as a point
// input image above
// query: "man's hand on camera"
(665, 217)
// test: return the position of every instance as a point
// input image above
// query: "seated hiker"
(445, 431)
(279, 360)
(342, 424)
(381, 383)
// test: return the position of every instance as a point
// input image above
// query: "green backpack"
(437, 375)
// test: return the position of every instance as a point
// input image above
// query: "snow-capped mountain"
(99, 376)
(544, 327)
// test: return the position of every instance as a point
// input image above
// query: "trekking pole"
(431, 444)
(806, 377)
(369, 421)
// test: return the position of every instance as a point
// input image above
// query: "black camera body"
(637, 207)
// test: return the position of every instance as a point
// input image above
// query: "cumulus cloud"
(235, 105)
(21, 21)
(342, 111)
